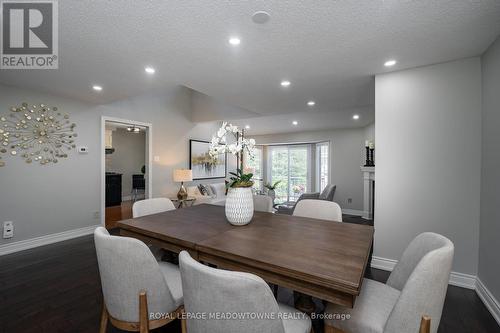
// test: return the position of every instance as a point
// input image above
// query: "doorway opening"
(125, 167)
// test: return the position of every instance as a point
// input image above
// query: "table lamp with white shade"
(181, 176)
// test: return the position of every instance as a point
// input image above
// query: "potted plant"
(239, 201)
(298, 189)
(271, 189)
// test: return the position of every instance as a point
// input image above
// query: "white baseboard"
(488, 299)
(352, 212)
(45, 240)
(463, 280)
(383, 263)
(456, 279)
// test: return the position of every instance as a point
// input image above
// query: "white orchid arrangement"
(219, 144)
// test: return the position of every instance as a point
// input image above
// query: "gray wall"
(370, 132)
(428, 139)
(346, 157)
(489, 246)
(128, 158)
(44, 200)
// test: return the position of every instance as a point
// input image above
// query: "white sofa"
(217, 195)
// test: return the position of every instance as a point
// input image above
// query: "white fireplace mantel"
(368, 178)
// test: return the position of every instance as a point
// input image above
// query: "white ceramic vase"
(239, 205)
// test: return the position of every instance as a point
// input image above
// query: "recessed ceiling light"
(285, 83)
(133, 129)
(355, 117)
(97, 88)
(149, 70)
(390, 63)
(261, 17)
(295, 122)
(247, 126)
(311, 103)
(235, 41)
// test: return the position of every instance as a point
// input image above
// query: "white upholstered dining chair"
(211, 291)
(318, 209)
(263, 203)
(416, 287)
(151, 206)
(135, 285)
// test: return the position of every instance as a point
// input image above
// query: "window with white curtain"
(290, 164)
(255, 166)
(322, 165)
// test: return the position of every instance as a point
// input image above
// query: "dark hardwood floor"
(118, 213)
(56, 288)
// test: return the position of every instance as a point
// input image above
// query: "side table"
(188, 202)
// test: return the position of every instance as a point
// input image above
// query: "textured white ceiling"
(329, 50)
(307, 121)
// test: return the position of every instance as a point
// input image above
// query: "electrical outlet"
(349, 200)
(8, 229)
(96, 215)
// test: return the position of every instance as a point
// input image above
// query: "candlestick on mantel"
(367, 162)
(372, 162)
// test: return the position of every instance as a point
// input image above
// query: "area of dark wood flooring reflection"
(118, 213)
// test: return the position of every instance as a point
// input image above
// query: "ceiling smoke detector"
(261, 17)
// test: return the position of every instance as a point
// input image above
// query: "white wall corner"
(456, 279)
(45, 240)
(491, 303)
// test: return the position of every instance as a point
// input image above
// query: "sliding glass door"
(290, 165)
(322, 162)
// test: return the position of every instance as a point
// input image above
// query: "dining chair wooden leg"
(425, 324)
(331, 329)
(183, 320)
(143, 313)
(104, 319)
(183, 325)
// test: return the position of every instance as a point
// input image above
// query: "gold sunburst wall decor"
(37, 133)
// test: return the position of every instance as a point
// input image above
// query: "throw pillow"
(328, 192)
(203, 189)
(219, 190)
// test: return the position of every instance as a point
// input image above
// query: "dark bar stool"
(138, 184)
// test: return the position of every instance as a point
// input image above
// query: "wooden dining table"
(323, 259)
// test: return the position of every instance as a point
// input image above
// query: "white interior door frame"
(149, 158)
